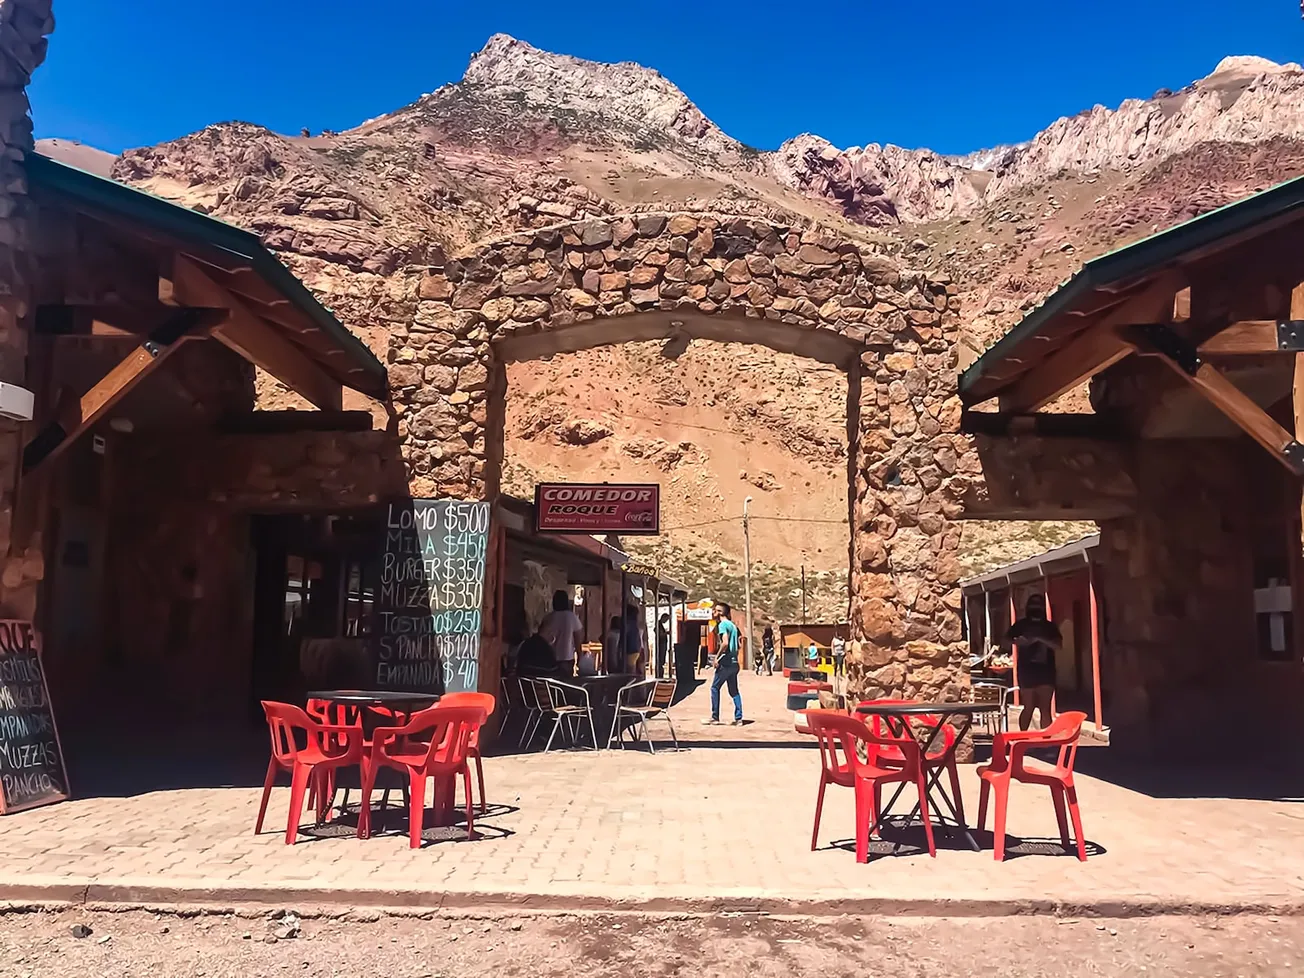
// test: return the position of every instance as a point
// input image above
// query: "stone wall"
(641, 276)
(1175, 581)
(24, 25)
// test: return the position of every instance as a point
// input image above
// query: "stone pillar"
(24, 25)
(905, 605)
(440, 371)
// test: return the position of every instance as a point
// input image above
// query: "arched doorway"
(732, 279)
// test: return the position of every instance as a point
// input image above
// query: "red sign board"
(588, 507)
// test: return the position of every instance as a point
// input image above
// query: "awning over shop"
(1226, 284)
(172, 274)
(1057, 560)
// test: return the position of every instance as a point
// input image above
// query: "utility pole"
(803, 595)
(747, 582)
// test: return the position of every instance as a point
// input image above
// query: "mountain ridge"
(529, 138)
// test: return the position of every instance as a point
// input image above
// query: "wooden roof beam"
(251, 336)
(1098, 347)
(1252, 336)
(1085, 356)
(75, 415)
(1182, 357)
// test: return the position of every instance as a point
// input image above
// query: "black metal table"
(960, 716)
(401, 702)
(396, 700)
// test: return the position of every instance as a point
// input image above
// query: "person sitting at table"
(536, 657)
(1035, 640)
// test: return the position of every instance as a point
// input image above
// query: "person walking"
(663, 645)
(1035, 640)
(767, 652)
(561, 628)
(839, 655)
(726, 665)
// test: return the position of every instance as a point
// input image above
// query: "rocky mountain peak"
(1247, 67)
(589, 100)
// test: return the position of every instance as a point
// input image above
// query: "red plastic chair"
(841, 740)
(832, 770)
(483, 701)
(325, 748)
(442, 757)
(1009, 763)
(332, 714)
(942, 757)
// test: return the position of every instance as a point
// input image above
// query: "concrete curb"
(316, 901)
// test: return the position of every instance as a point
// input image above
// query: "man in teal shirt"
(726, 665)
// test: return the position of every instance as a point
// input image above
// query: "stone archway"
(643, 276)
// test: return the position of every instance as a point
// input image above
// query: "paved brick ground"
(724, 822)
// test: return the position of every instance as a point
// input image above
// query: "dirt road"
(36, 945)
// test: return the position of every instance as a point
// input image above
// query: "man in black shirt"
(1035, 639)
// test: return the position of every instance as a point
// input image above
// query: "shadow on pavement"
(1247, 778)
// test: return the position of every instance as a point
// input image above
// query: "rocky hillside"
(528, 138)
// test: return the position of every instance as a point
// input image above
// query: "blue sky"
(953, 75)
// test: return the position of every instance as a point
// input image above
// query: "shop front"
(619, 601)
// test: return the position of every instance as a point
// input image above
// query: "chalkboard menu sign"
(426, 633)
(31, 761)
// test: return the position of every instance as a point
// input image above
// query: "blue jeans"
(726, 674)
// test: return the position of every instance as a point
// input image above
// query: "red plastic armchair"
(325, 748)
(842, 740)
(834, 768)
(938, 757)
(334, 714)
(433, 744)
(1010, 763)
(483, 701)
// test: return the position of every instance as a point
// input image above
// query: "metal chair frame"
(661, 695)
(566, 713)
(997, 718)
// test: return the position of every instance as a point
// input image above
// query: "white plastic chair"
(660, 694)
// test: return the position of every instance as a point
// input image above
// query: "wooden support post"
(988, 641)
(1014, 652)
(1297, 400)
(1095, 642)
(1045, 596)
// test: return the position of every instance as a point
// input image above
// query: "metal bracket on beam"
(1290, 335)
(1163, 339)
(1293, 452)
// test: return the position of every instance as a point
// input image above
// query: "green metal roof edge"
(1133, 259)
(195, 228)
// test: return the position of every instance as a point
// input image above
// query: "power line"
(690, 526)
(797, 519)
(731, 519)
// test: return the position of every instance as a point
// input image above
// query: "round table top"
(599, 677)
(916, 709)
(372, 697)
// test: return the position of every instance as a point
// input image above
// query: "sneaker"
(737, 723)
(711, 722)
